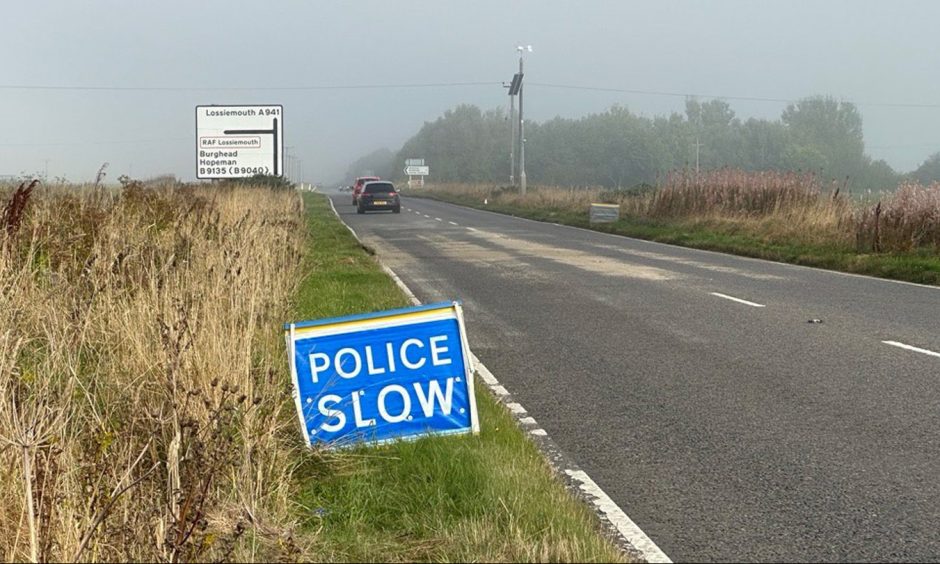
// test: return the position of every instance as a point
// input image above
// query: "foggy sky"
(871, 53)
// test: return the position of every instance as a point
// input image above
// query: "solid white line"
(739, 300)
(451, 222)
(910, 348)
(624, 524)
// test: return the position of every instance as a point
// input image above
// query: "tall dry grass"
(142, 386)
(907, 220)
(774, 206)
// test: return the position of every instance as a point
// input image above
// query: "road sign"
(380, 377)
(239, 141)
(417, 170)
(414, 162)
(604, 213)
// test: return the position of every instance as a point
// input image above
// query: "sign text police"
(379, 377)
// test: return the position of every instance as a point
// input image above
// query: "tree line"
(617, 148)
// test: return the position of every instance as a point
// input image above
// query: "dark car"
(357, 187)
(378, 196)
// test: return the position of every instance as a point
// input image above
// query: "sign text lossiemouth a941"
(380, 377)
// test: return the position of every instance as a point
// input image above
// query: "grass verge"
(737, 237)
(490, 497)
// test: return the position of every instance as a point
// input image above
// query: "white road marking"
(515, 407)
(451, 222)
(910, 348)
(437, 219)
(427, 216)
(539, 432)
(624, 524)
(471, 229)
(739, 300)
(527, 421)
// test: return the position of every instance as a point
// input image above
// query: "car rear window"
(379, 187)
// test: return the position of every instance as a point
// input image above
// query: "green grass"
(489, 497)
(922, 266)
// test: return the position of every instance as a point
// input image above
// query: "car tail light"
(393, 193)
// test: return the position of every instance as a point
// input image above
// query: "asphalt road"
(725, 430)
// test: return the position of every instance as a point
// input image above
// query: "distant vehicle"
(357, 187)
(378, 196)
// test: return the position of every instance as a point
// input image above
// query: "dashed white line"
(739, 300)
(427, 216)
(911, 348)
(515, 407)
(451, 222)
(437, 219)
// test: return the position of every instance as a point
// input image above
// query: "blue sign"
(375, 378)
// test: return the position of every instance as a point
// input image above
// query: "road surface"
(694, 387)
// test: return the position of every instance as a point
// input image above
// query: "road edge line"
(620, 528)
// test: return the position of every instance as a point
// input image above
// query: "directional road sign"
(239, 141)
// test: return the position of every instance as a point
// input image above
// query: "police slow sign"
(379, 377)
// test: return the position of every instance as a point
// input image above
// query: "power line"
(75, 143)
(243, 88)
(719, 96)
(378, 86)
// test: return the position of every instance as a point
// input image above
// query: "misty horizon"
(109, 82)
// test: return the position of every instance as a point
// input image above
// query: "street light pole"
(522, 177)
(512, 140)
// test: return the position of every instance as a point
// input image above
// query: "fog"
(90, 82)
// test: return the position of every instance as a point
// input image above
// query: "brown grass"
(141, 379)
(773, 206)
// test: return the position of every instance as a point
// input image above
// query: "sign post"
(239, 141)
(382, 377)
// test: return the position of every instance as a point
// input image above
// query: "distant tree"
(617, 148)
(929, 170)
(829, 134)
(377, 163)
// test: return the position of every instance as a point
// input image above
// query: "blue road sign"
(379, 377)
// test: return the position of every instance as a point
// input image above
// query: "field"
(145, 407)
(786, 217)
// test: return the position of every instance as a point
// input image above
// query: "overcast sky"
(165, 57)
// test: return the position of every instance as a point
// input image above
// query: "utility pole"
(286, 168)
(697, 147)
(522, 179)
